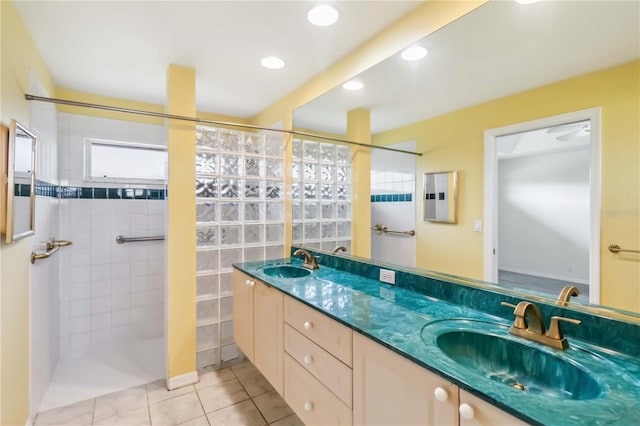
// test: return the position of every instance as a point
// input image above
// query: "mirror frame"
(451, 174)
(10, 149)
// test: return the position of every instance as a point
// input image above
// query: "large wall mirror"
(20, 163)
(501, 64)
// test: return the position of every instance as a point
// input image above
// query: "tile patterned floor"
(234, 396)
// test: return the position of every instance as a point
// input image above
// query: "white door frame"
(491, 191)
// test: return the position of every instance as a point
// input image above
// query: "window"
(112, 161)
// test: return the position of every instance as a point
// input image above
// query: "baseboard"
(182, 380)
(550, 276)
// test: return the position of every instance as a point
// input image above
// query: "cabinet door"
(269, 334)
(243, 286)
(388, 389)
(484, 414)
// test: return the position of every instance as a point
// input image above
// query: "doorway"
(542, 204)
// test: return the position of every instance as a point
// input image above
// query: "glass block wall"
(240, 217)
(321, 192)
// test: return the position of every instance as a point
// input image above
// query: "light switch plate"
(477, 225)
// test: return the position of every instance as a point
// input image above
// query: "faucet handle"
(519, 321)
(554, 327)
(509, 305)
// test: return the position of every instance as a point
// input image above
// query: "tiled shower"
(393, 204)
(110, 296)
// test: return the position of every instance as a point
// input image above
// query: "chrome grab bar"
(381, 229)
(121, 239)
(614, 248)
(51, 247)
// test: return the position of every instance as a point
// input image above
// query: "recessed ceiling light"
(413, 53)
(527, 1)
(353, 85)
(272, 62)
(323, 15)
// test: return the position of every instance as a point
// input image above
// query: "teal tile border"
(45, 189)
(391, 198)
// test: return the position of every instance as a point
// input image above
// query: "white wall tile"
(79, 291)
(100, 289)
(80, 324)
(119, 318)
(101, 272)
(98, 275)
(120, 286)
(79, 342)
(101, 321)
(100, 305)
(79, 308)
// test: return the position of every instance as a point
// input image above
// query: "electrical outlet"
(387, 276)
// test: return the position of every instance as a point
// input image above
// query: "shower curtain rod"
(202, 120)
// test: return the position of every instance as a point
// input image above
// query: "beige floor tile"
(120, 402)
(176, 410)
(222, 395)
(208, 377)
(244, 413)
(272, 406)
(244, 369)
(255, 384)
(135, 417)
(200, 421)
(157, 391)
(80, 414)
(291, 420)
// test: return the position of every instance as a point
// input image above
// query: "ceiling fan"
(571, 131)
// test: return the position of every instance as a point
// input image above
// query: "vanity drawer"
(336, 376)
(310, 400)
(329, 334)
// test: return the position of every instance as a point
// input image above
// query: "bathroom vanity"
(343, 348)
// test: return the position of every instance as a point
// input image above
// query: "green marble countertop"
(409, 323)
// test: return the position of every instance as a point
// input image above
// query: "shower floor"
(94, 374)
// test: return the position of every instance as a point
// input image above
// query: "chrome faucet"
(566, 293)
(309, 261)
(340, 248)
(529, 324)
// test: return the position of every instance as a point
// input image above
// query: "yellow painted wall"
(19, 58)
(455, 141)
(181, 232)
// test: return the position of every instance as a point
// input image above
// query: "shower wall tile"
(109, 294)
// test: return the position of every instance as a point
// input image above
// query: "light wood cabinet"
(326, 332)
(482, 413)
(268, 334)
(243, 313)
(330, 375)
(318, 380)
(310, 399)
(388, 389)
(258, 326)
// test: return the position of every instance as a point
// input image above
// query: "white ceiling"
(499, 49)
(565, 137)
(123, 48)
